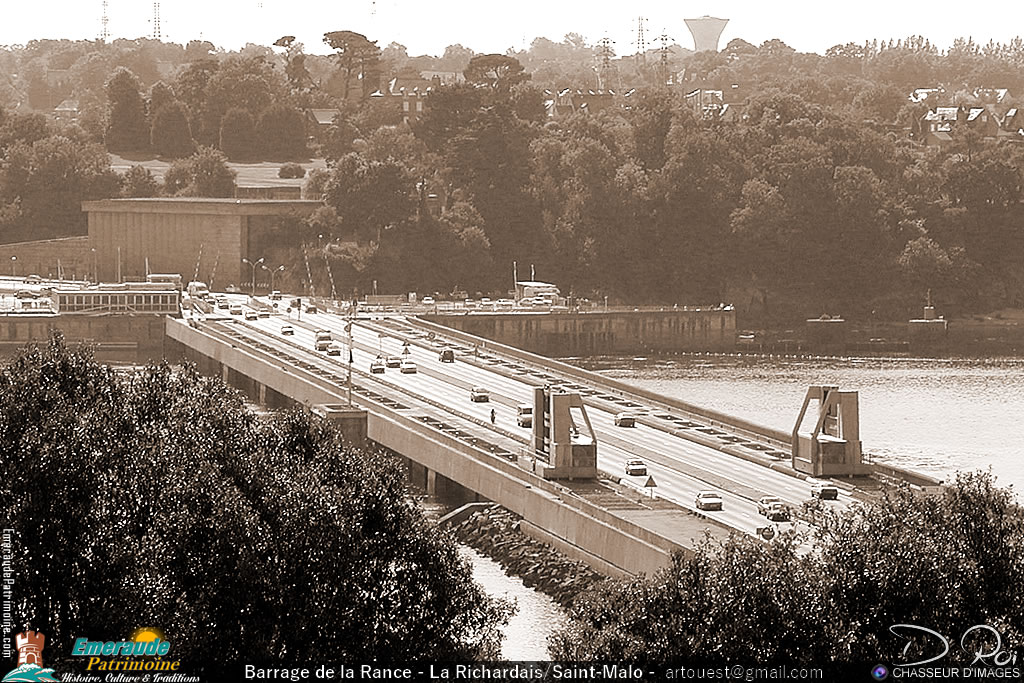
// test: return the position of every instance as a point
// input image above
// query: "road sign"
(650, 482)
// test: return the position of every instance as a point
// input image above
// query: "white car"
(236, 309)
(625, 420)
(708, 500)
(287, 329)
(251, 315)
(407, 367)
(636, 468)
(479, 395)
(427, 301)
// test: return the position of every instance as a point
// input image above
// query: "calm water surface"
(933, 416)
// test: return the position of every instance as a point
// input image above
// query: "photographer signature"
(986, 637)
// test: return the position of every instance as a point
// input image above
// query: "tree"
(49, 179)
(138, 181)
(166, 501)
(499, 72)
(171, 135)
(949, 562)
(238, 135)
(357, 58)
(127, 129)
(282, 132)
(369, 196)
(160, 95)
(204, 174)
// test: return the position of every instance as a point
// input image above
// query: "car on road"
(264, 314)
(708, 500)
(625, 420)
(251, 315)
(334, 350)
(766, 502)
(287, 329)
(485, 302)
(505, 303)
(407, 367)
(822, 489)
(479, 395)
(311, 309)
(223, 303)
(778, 512)
(26, 294)
(393, 361)
(636, 468)
(427, 301)
(33, 280)
(447, 356)
(275, 295)
(524, 415)
(236, 309)
(377, 367)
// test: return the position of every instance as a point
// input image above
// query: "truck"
(198, 290)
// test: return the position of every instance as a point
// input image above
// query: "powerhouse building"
(177, 235)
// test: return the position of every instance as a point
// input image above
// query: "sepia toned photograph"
(457, 341)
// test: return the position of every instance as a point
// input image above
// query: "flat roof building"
(176, 234)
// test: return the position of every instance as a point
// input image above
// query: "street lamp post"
(95, 268)
(273, 272)
(14, 261)
(253, 266)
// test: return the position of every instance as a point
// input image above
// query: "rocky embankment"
(494, 531)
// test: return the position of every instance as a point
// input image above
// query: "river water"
(928, 415)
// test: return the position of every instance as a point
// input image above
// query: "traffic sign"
(650, 482)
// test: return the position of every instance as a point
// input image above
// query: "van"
(524, 415)
(198, 290)
(823, 490)
(323, 340)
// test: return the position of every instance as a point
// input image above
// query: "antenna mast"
(641, 43)
(156, 21)
(104, 33)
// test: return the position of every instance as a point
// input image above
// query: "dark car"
(447, 356)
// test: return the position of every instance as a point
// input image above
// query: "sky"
(428, 26)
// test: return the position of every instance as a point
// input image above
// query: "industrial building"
(193, 236)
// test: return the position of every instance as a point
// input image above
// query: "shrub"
(291, 170)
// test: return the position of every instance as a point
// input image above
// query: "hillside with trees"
(810, 192)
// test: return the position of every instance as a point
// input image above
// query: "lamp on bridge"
(273, 272)
(253, 266)
(14, 262)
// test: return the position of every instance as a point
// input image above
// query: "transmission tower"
(605, 52)
(641, 43)
(663, 55)
(104, 33)
(156, 21)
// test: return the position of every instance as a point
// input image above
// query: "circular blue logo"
(880, 673)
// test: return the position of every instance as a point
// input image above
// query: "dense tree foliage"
(43, 184)
(156, 497)
(204, 174)
(946, 563)
(127, 128)
(171, 135)
(238, 135)
(281, 130)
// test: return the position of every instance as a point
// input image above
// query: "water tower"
(706, 31)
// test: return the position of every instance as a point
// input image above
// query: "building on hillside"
(412, 104)
(568, 101)
(1011, 126)
(66, 112)
(938, 124)
(319, 121)
(200, 238)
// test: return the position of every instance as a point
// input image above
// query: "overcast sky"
(427, 26)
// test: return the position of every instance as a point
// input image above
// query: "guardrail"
(775, 437)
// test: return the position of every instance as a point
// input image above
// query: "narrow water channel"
(536, 617)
